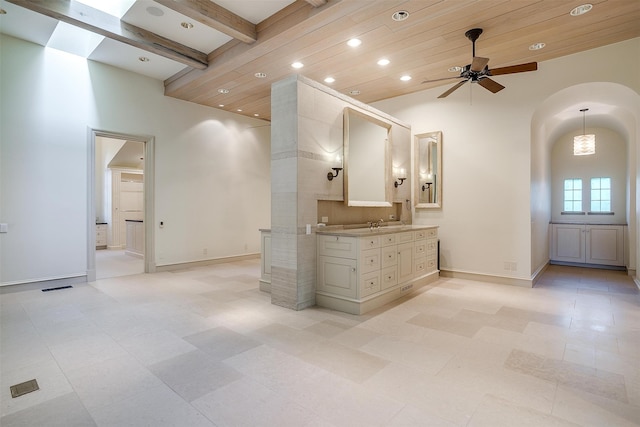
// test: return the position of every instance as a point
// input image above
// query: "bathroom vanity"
(361, 269)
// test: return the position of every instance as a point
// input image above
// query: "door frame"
(149, 197)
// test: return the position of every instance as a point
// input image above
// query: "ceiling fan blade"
(439, 80)
(479, 63)
(490, 85)
(522, 68)
(456, 86)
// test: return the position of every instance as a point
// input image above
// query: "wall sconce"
(330, 175)
(401, 175)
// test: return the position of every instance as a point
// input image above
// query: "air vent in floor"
(57, 288)
(24, 388)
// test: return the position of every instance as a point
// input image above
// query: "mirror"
(366, 160)
(428, 170)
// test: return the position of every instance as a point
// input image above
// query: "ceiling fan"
(479, 72)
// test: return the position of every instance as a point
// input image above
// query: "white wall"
(496, 197)
(212, 168)
(609, 160)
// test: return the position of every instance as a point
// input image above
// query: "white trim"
(204, 263)
(149, 198)
(480, 277)
(72, 278)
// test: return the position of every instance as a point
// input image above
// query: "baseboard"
(204, 263)
(7, 288)
(538, 273)
(596, 266)
(480, 277)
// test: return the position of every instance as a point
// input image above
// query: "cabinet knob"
(353, 269)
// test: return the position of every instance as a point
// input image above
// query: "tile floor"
(204, 346)
(114, 263)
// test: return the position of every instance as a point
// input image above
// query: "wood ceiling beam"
(287, 25)
(102, 23)
(210, 14)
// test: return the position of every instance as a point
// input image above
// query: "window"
(573, 195)
(600, 194)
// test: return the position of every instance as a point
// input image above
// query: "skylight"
(75, 40)
(116, 8)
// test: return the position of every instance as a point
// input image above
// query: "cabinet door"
(568, 243)
(605, 244)
(405, 262)
(337, 276)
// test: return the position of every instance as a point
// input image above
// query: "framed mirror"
(428, 170)
(367, 178)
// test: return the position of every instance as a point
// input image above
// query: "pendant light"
(584, 145)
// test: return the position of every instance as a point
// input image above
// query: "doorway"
(120, 219)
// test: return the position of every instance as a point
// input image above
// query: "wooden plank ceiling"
(315, 32)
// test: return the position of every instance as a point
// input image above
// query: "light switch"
(4, 228)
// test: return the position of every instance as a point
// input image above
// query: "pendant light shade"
(584, 145)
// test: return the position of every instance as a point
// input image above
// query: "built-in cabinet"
(135, 238)
(361, 270)
(127, 203)
(101, 236)
(598, 244)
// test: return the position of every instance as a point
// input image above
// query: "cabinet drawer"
(370, 260)
(388, 239)
(431, 265)
(338, 246)
(389, 256)
(432, 246)
(370, 284)
(370, 242)
(404, 237)
(432, 233)
(420, 248)
(420, 265)
(389, 277)
(420, 234)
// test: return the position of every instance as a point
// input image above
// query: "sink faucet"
(375, 224)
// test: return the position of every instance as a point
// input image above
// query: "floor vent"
(24, 388)
(57, 289)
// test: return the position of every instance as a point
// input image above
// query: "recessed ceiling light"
(155, 11)
(537, 46)
(260, 75)
(354, 42)
(329, 80)
(581, 10)
(383, 61)
(256, 115)
(297, 65)
(405, 78)
(220, 105)
(455, 69)
(143, 59)
(354, 92)
(239, 110)
(223, 90)
(400, 15)
(186, 25)
(3, 12)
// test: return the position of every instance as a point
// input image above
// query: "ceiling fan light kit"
(479, 72)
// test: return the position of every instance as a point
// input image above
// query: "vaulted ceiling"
(227, 53)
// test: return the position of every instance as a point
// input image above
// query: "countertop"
(359, 232)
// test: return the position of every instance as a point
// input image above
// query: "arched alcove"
(612, 106)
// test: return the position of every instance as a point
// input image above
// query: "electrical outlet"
(325, 219)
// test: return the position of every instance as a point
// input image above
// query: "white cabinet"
(358, 273)
(135, 238)
(101, 236)
(588, 244)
